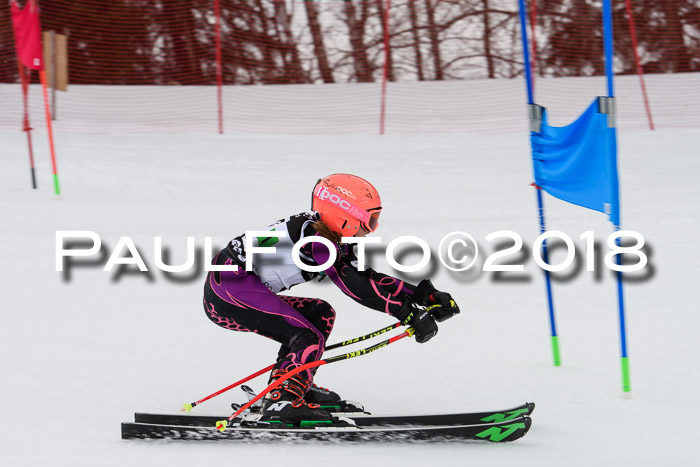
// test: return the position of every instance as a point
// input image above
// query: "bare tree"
(356, 29)
(179, 29)
(264, 43)
(487, 40)
(415, 32)
(294, 72)
(679, 55)
(317, 37)
(434, 35)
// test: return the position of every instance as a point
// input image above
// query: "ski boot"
(321, 396)
(286, 405)
(331, 401)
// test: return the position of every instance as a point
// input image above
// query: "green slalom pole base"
(56, 185)
(555, 351)
(626, 387)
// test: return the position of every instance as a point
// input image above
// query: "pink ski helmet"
(347, 202)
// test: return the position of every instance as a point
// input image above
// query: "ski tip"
(530, 407)
(506, 431)
(528, 424)
(187, 408)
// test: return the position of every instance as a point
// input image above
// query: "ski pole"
(222, 424)
(188, 407)
(376, 333)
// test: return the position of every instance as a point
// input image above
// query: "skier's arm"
(375, 290)
(382, 294)
(440, 304)
(396, 287)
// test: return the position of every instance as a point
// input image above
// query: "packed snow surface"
(83, 350)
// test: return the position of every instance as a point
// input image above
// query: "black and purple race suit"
(249, 301)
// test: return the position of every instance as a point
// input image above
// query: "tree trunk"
(293, 69)
(356, 28)
(269, 74)
(413, 15)
(182, 28)
(317, 36)
(487, 40)
(434, 39)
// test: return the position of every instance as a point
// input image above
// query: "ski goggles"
(373, 223)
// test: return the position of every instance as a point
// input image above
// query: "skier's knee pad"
(304, 339)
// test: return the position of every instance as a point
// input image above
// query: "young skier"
(343, 205)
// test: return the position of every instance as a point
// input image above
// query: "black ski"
(495, 432)
(467, 418)
(364, 420)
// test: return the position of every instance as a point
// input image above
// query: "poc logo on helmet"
(344, 191)
(325, 194)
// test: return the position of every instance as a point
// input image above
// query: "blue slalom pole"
(526, 51)
(608, 41)
(626, 387)
(615, 218)
(530, 100)
(550, 301)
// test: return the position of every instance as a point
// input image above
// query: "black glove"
(420, 320)
(439, 304)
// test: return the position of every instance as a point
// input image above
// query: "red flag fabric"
(28, 34)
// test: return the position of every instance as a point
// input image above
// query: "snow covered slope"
(80, 355)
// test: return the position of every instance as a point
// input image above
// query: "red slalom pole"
(24, 80)
(57, 188)
(222, 424)
(638, 65)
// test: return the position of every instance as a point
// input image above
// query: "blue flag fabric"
(578, 163)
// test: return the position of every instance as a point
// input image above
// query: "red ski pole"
(222, 424)
(188, 407)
